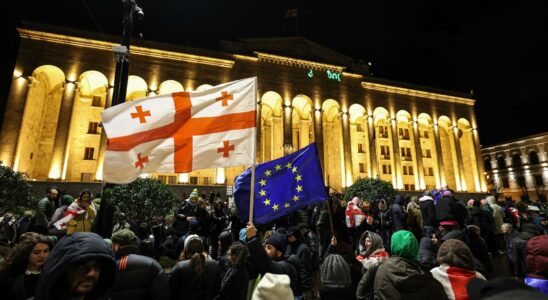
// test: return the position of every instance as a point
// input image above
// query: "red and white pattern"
(73, 211)
(181, 132)
(455, 280)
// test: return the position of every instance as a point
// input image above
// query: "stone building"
(416, 137)
(518, 169)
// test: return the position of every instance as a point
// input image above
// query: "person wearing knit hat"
(456, 269)
(271, 258)
(137, 276)
(402, 277)
(273, 287)
(124, 237)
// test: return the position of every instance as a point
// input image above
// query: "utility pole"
(131, 10)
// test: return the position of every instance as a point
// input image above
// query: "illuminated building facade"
(518, 169)
(416, 137)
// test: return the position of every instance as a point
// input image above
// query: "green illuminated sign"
(329, 74)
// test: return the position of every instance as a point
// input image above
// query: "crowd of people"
(431, 247)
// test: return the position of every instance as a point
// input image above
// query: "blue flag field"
(282, 186)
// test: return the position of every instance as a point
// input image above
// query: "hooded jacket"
(536, 263)
(518, 248)
(498, 213)
(428, 211)
(402, 277)
(69, 251)
(449, 208)
(375, 253)
(398, 218)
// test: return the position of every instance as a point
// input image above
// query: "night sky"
(496, 49)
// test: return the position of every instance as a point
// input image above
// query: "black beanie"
(278, 240)
(295, 231)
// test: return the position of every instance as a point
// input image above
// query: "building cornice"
(416, 93)
(135, 50)
(295, 62)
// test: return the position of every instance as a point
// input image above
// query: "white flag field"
(181, 132)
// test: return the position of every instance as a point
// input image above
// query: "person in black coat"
(194, 277)
(398, 216)
(301, 250)
(272, 258)
(428, 212)
(449, 210)
(236, 280)
(137, 276)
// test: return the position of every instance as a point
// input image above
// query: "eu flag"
(282, 186)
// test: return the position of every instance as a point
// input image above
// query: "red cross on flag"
(181, 132)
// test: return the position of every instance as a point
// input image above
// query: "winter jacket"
(311, 240)
(366, 285)
(401, 278)
(235, 284)
(16, 287)
(449, 208)
(518, 248)
(498, 213)
(183, 283)
(304, 254)
(396, 211)
(83, 219)
(509, 240)
(427, 253)
(414, 220)
(138, 277)
(44, 212)
(428, 211)
(289, 266)
(72, 250)
(536, 263)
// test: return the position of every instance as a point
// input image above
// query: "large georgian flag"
(181, 132)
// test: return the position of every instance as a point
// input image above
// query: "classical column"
(318, 133)
(482, 183)
(347, 156)
(419, 177)
(61, 135)
(459, 173)
(288, 126)
(373, 166)
(103, 142)
(439, 152)
(277, 137)
(397, 157)
(304, 133)
(13, 118)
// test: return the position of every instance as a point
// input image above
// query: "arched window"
(516, 160)
(533, 158)
(501, 162)
(487, 165)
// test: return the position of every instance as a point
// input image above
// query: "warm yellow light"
(55, 171)
(71, 77)
(17, 73)
(183, 178)
(220, 176)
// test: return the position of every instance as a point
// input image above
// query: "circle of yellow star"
(287, 205)
(299, 188)
(267, 202)
(294, 170)
(275, 207)
(263, 182)
(298, 178)
(278, 167)
(288, 165)
(267, 173)
(295, 198)
(262, 193)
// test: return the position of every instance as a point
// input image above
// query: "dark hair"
(193, 250)
(86, 191)
(17, 259)
(240, 253)
(52, 188)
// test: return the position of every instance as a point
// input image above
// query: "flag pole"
(252, 192)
